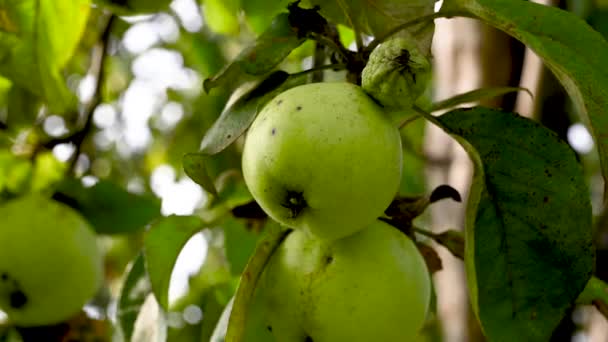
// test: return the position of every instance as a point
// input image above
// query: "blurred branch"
(97, 69)
(318, 60)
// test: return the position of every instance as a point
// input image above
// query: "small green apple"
(323, 157)
(397, 73)
(50, 265)
(370, 286)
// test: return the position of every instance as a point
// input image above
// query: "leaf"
(453, 241)
(259, 13)
(269, 49)
(475, 95)
(377, 17)
(264, 249)
(236, 118)
(195, 167)
(36, 43)
(222, 15)
(109, 207)
(431, 257)
(529, 250)
(135, 289)
(574, 52)
(162, 244)
(239, 244)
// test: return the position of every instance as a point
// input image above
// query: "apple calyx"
(16, 298)
(295, 202)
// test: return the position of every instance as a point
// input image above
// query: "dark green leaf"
(162, 245)
(109, 207)
(475, 95)
(528, 236)
(267, 52)
(575, 53)
(239, 243)
(235, 119)
(259, 13)
(195, 168)
(135, 289)
(36, 44)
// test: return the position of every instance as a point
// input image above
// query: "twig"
(409, 120)
(318, 60)
(98, 70)
(338, 66)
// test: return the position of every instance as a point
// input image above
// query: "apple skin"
(371, 286)
(50, 265)
(323, 157)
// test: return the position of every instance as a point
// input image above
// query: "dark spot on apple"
(4, 276)
(269, 328)
(308, 339)
(279, 102)
(546, 199)
(229, 136)
(329, 259)
(273, 131)
(295, 202)
(299, 108)
(17, 299)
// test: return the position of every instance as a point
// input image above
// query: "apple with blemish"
(324, 158)
(50, 265)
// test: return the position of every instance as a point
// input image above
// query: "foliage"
(115, 127)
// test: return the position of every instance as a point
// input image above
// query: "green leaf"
(109, 207)
(574, 52)
(239, 244)
(259, 13)
(222, 15)
(48, 171)
(264, 249)
(162, 244)
(269, 49)
(37, 39)
(135, 288)
(529, 250)
(377, 17)
(237, 117)
(195, 167)
(476, 95)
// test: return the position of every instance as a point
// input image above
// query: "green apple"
(323, 157)
(50, 265)
(370, 286)
(397, 73)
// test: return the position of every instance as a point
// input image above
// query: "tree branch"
(97, 69)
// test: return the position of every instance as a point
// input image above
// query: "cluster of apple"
(325, 160)
(50, 264)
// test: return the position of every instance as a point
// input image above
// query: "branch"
(98, 70)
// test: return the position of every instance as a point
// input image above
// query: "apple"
(323, 157)
(371, 286)
(397, 72)
(50, 265)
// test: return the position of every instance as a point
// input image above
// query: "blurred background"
(152, 110)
